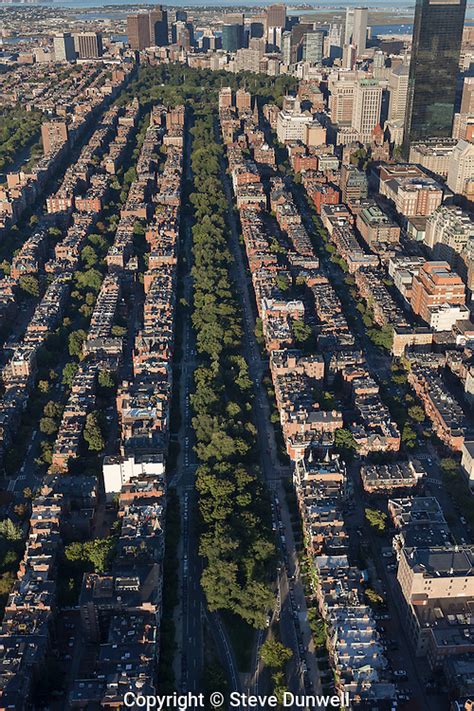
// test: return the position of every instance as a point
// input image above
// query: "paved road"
(190, 632)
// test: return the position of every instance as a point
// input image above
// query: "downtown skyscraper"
(437, 36)
(148, 29)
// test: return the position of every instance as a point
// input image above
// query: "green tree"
(408, 436)
(119, 331)
(10, 531)
(94, 554)
(345, 443)
(48, 426)
(377, 519)
(43, 386)
(93, 434)
(274, 654)
(75, 342)
(53, 409)
(46, 456)
(68, 374)
(301, 332)
(374, 598)
(279, 686)
(449, 465)
(21, 511)
(381, 337)
(5, 266)
(89, 256)
(327, 401)
(29, 284)
(416, 413)
(99, 552)
(7, 580)
(318, 628)
(282, 283)
(90, 279)
(106, 379)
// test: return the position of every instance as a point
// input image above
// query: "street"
(295, 630)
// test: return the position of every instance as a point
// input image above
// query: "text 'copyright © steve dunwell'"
(234, 700)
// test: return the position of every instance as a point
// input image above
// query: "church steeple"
(255, 109)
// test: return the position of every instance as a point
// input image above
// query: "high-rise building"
(335, 35)
(257, 30)
(398, 90)
(294, 125)
(356, 28)
(333, 43)
(367, 106)
(313, 47)
(275, 23)
(88, 45)
(463, 127)
(235, 18)
(209, 41)
(181, 16)
(274, 37)
(341, 99)
(434, 63)
(349, 25)
(348, 56)
(182, 33)
(158, 20)
(439, 574)
(448, 232)
(434, 154)
(461, 168)
(275, 16)
(53, 135)
(138, 30)
(232, 37)
(64, 50)
(378, 65)
(286, 47)
(292, 42)
(359, 32)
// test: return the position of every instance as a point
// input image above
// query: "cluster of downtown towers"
(436, 47)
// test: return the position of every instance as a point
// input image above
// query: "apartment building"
(412, 191)
(379, 232)
(440, 406)
(437, 587)
(435, 290)
(434, 154)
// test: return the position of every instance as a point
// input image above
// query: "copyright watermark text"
(234, 700)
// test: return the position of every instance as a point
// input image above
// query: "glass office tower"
(158, 26)
(437, 35)
(232, 37)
